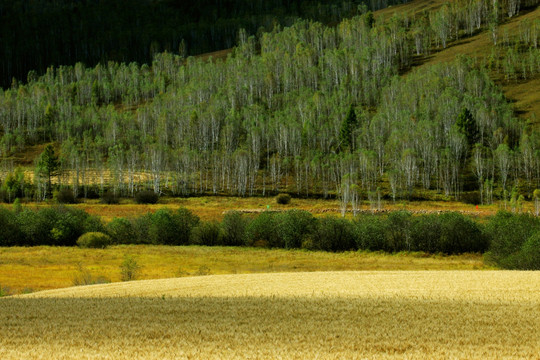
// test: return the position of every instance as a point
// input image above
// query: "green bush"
(283, 199)
(129, 269)
(10, 232)
(94, 240)
(507, 233)
(295, 227)
(529, 256)
(426, 233)
(184, 221)
(334, 234)
(398, 236)
(234, 227)
(121, 231)
(207, 233)
(163, 229)
(93, 224)
(263, 231)
(371, 232)
(460, 234)
(141, 228)
(109, 198)
(59, 226)
(146, 197)
(65, 196)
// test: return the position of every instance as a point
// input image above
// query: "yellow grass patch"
(44, 267)
(215, 207)
(333, 315)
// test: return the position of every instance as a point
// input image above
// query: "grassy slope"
(336, 315)
(39, 268)
(524, 94)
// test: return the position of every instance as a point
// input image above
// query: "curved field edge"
(328, 315)
(24, 269)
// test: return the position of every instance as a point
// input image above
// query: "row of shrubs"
(509, 240)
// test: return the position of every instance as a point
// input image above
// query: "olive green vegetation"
(509, 239)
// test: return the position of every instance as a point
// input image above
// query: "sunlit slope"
(333, 315)
(525, 94)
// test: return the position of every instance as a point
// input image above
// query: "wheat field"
(318, 315)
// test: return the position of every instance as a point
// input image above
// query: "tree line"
(310, 109)
(509, 240)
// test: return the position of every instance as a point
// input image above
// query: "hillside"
(523, 94)
(63, 32)
(419, 314)
(374, 106)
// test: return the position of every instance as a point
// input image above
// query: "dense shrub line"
(509, 240)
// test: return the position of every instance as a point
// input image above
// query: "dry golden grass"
(43, 267)
(333, 315)
(215, 207)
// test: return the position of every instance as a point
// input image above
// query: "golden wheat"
(328, 315)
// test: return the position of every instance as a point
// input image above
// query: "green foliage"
(346, 133)
(48, 166)
(129, 269)
(426, 232)
(511, 239)
(13, 186)
(172, 228)
(459, 234)
(507, 234)
(529, 256)
(146, 197)
(295, 227)
(185, 221)
(334, 234)
(109, 198)
(301, 80)
(398, 231)
(283, 199)
(95, 240)
(234, 227)
(371, 230)
(467, 126)
(207, 233)
(163, 228)
(10, 234)
(263, 231)
(65, 196)
(121, 231)
(59, 226)
(142, 226)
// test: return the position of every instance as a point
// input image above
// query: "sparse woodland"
(311, 109)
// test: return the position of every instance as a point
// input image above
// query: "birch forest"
(310, 109)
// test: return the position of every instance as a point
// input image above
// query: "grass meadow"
(316, 315)
(25, 269)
